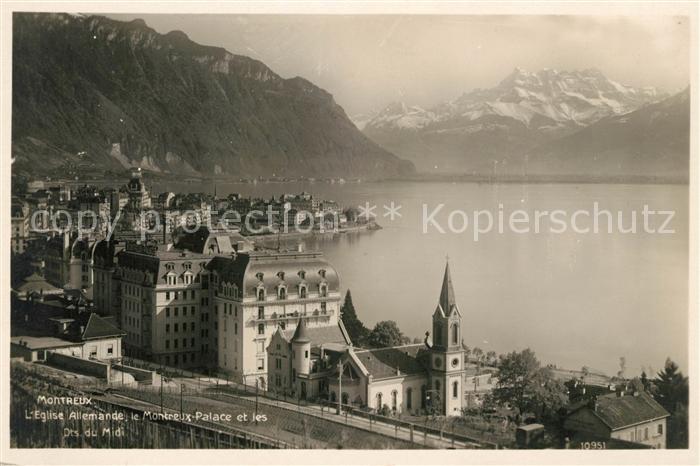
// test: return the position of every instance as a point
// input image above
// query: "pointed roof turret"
(300, 334)
(447, 294)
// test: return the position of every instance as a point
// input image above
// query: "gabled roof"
(394, 361)
(617, 412)
(321, 335)
(97, 327)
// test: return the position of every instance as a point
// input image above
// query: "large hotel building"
(214, 304)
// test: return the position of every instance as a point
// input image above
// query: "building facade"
(628, 416)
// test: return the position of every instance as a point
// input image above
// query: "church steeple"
(447, 295)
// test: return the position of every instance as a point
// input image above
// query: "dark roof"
(35, 282)
(204, 241)
(97, 327)
(300, 334)
(621, 411)
(320, 335)
(231, 270)
(383, 362)
(447, 294)
(155, 262)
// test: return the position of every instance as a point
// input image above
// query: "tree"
(491, 358)
(20, 268)
(545, 395)
(356, 329)
(646, 383)
(528, 387)
(477, 353)
(385, 333)
(671, 387)
(671, 391)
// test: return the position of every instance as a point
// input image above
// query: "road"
(420, 438)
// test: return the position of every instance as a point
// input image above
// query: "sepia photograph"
(250, 227)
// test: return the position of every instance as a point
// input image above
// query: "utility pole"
(256, 400)
(182, 389)
(162, 381)
(340, 386)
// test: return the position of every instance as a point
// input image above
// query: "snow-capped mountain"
(559, 97)
(523, 110)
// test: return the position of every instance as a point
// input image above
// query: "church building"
(418, 378)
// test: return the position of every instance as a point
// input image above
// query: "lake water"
(574, 298)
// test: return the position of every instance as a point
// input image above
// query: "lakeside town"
(202, 331)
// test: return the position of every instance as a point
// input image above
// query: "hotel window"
(323, 307)
(323, 290)
(192, 342)
(455, 389)
(192, 311)
(261, 329)
(646, 433)
(177, 310)
(660, 429)
(235, 328)
(176, 328)
(261, 346)
(167, 328)
(261, 312)
(302, 292)
(261, 294)
(167, 312)
(167, 344)
(184, 342)
(282, 293)
(192, 295)
(261, 364)
(409, 398)
(110, 349)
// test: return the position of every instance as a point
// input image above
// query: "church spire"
(447, 295)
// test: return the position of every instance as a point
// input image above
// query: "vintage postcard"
(429, 233)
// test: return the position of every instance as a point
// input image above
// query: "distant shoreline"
(421, 178)
(553, 179)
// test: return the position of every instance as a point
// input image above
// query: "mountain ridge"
(97, 94)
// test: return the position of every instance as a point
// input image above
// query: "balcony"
(293, 316)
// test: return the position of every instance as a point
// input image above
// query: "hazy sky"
(369, 61)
